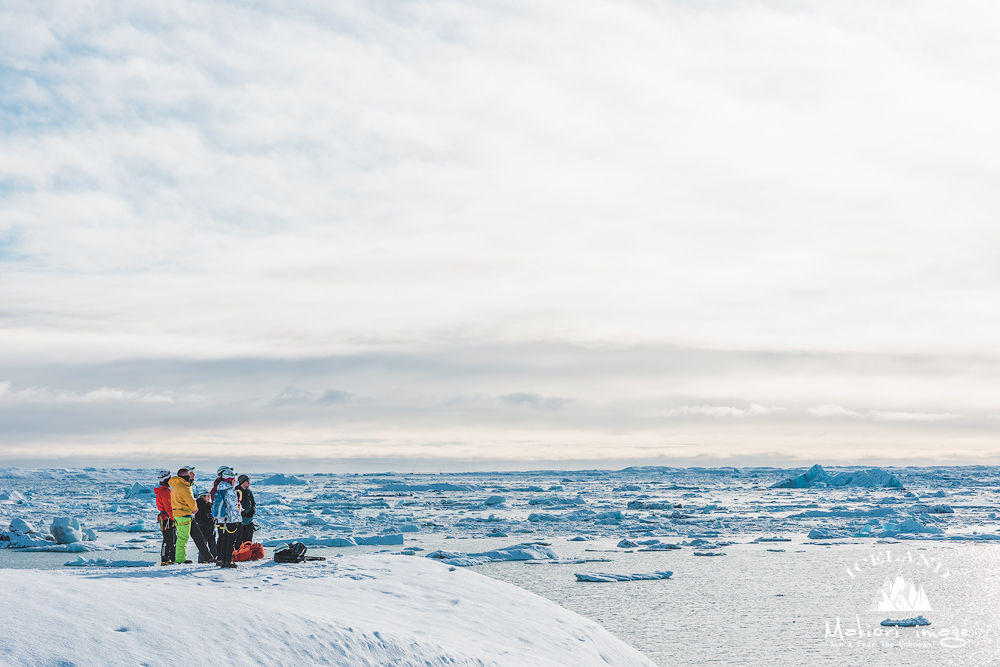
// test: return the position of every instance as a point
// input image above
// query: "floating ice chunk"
(579, 539)
(908, 526)
(314, 521)
(827, 534)
(709, 553)
(268, 498)
(21, 527)
(512, 553)
(12, 540)
(282, 480)
(409, 528)
(940, 509)
(604, 577)
(906, 622)
(11, 497)
(773, 539)
(66, 530)
(938, 494)
(651, 505)
(104, 562)
(662, 546)
(495, 500)
(89, 534)
(627, 544)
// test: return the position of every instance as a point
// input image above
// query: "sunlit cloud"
(880, 415)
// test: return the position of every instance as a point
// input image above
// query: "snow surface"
(366, 611)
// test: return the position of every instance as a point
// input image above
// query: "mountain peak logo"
(899, 595)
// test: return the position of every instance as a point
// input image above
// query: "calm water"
(754, 607)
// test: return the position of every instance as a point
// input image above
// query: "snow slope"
(372, 610)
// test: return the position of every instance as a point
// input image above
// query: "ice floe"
(604, 577)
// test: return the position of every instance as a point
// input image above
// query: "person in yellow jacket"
(185, 508)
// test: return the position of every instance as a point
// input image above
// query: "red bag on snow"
(249, 551)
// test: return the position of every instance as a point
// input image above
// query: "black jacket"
(204, 515)
(248, 505)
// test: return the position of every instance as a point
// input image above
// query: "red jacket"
(163, 500)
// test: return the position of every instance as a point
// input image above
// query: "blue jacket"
(226, 506)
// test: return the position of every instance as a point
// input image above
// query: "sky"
(449, 235)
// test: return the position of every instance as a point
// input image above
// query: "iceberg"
(511, 553)
(21, 527)
(816, 476)
(138, 490)
(66, 530)
(282, 480)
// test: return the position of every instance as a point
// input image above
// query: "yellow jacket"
(181, 497)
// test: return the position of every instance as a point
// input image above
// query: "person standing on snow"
(248, 508)
(227, 514)
(185, 508)
(204, 520)
(166, 518)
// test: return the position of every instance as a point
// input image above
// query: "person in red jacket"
(167, 526)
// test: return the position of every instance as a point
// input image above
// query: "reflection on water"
(754, 607)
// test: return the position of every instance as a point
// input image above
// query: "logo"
(897, 597)
(890, 620)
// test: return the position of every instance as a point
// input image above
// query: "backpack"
(249, 551)
(293, 552)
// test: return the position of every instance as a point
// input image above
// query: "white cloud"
(883, 415)
(101, 395)
(642, 181)
(879, 415)
(754, 410)
(830, 410)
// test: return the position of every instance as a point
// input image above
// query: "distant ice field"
(796, 599)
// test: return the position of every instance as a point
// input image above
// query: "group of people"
(220, 520)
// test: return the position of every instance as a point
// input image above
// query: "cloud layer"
(746, 215)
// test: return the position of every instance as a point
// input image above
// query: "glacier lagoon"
(805, 573)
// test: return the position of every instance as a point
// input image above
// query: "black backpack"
(293, 552)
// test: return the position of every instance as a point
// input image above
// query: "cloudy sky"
(449, 234)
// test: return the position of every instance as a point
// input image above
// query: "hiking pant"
(244, 535)
(208, 532)
(167, 549)
(183, 532)
(204, 554)
(227, 540)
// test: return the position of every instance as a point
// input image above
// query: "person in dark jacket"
(204, 520)
(248, 508)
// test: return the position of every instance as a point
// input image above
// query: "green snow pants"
(183, 532)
